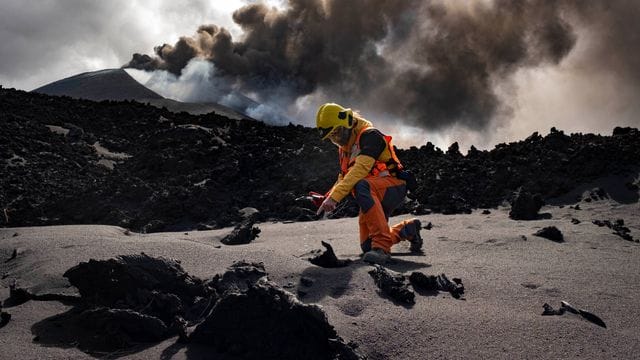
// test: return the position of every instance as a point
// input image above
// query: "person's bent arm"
(357, 172)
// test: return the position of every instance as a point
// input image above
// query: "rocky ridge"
(69, 161)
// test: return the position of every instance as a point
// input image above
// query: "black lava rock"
(157, 287)
(267, 322)
(617, 227)
(239, 277)
(173, 171)
(565, 307)
(525, 206)
(243, 233)
(434, 283)
(550, 232)
(328, 258)
(392, 284)
(595, 195)
(137, 299)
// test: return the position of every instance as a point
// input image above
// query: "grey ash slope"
(108, 84)
(118, 85)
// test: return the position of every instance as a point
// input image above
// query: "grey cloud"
(429, 63)
(44, 41)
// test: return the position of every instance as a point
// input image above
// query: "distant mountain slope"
(118, 85)
(109, 84)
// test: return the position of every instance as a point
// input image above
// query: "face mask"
(340, 136)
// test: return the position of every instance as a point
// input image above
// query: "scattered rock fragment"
(240, 313)
(575, 221)
(617, 227)
(434, 283)
(550, 232)
(239, 277)
(153, 286)
(243, 233)
(525, 206)
(566, 307)
(267, 322)
(602, 223)
(429, 226)
(393, 284)
(328, 258)
(595, 195)
(486, 212)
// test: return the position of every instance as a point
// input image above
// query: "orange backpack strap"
(381, 168)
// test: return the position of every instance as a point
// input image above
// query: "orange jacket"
(355, 166)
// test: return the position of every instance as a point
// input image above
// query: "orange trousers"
(377, 198)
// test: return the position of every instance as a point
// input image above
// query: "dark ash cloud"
(428, 63)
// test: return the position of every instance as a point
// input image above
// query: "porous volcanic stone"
(433, 283)
(393, 284)
(240, 313)
(154, 286)
(239, 277)
(266, 322)
(550, 232)
(243, 233)
(618, 228)
(328, 258)
(525, 206)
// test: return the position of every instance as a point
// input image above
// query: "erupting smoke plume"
(432, 65)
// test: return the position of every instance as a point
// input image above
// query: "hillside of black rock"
(68, 161)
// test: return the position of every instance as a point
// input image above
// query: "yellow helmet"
(331, 116)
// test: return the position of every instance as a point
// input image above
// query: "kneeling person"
(368, 169)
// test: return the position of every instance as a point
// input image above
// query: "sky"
(476, 72)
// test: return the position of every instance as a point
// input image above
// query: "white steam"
(200, 83)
